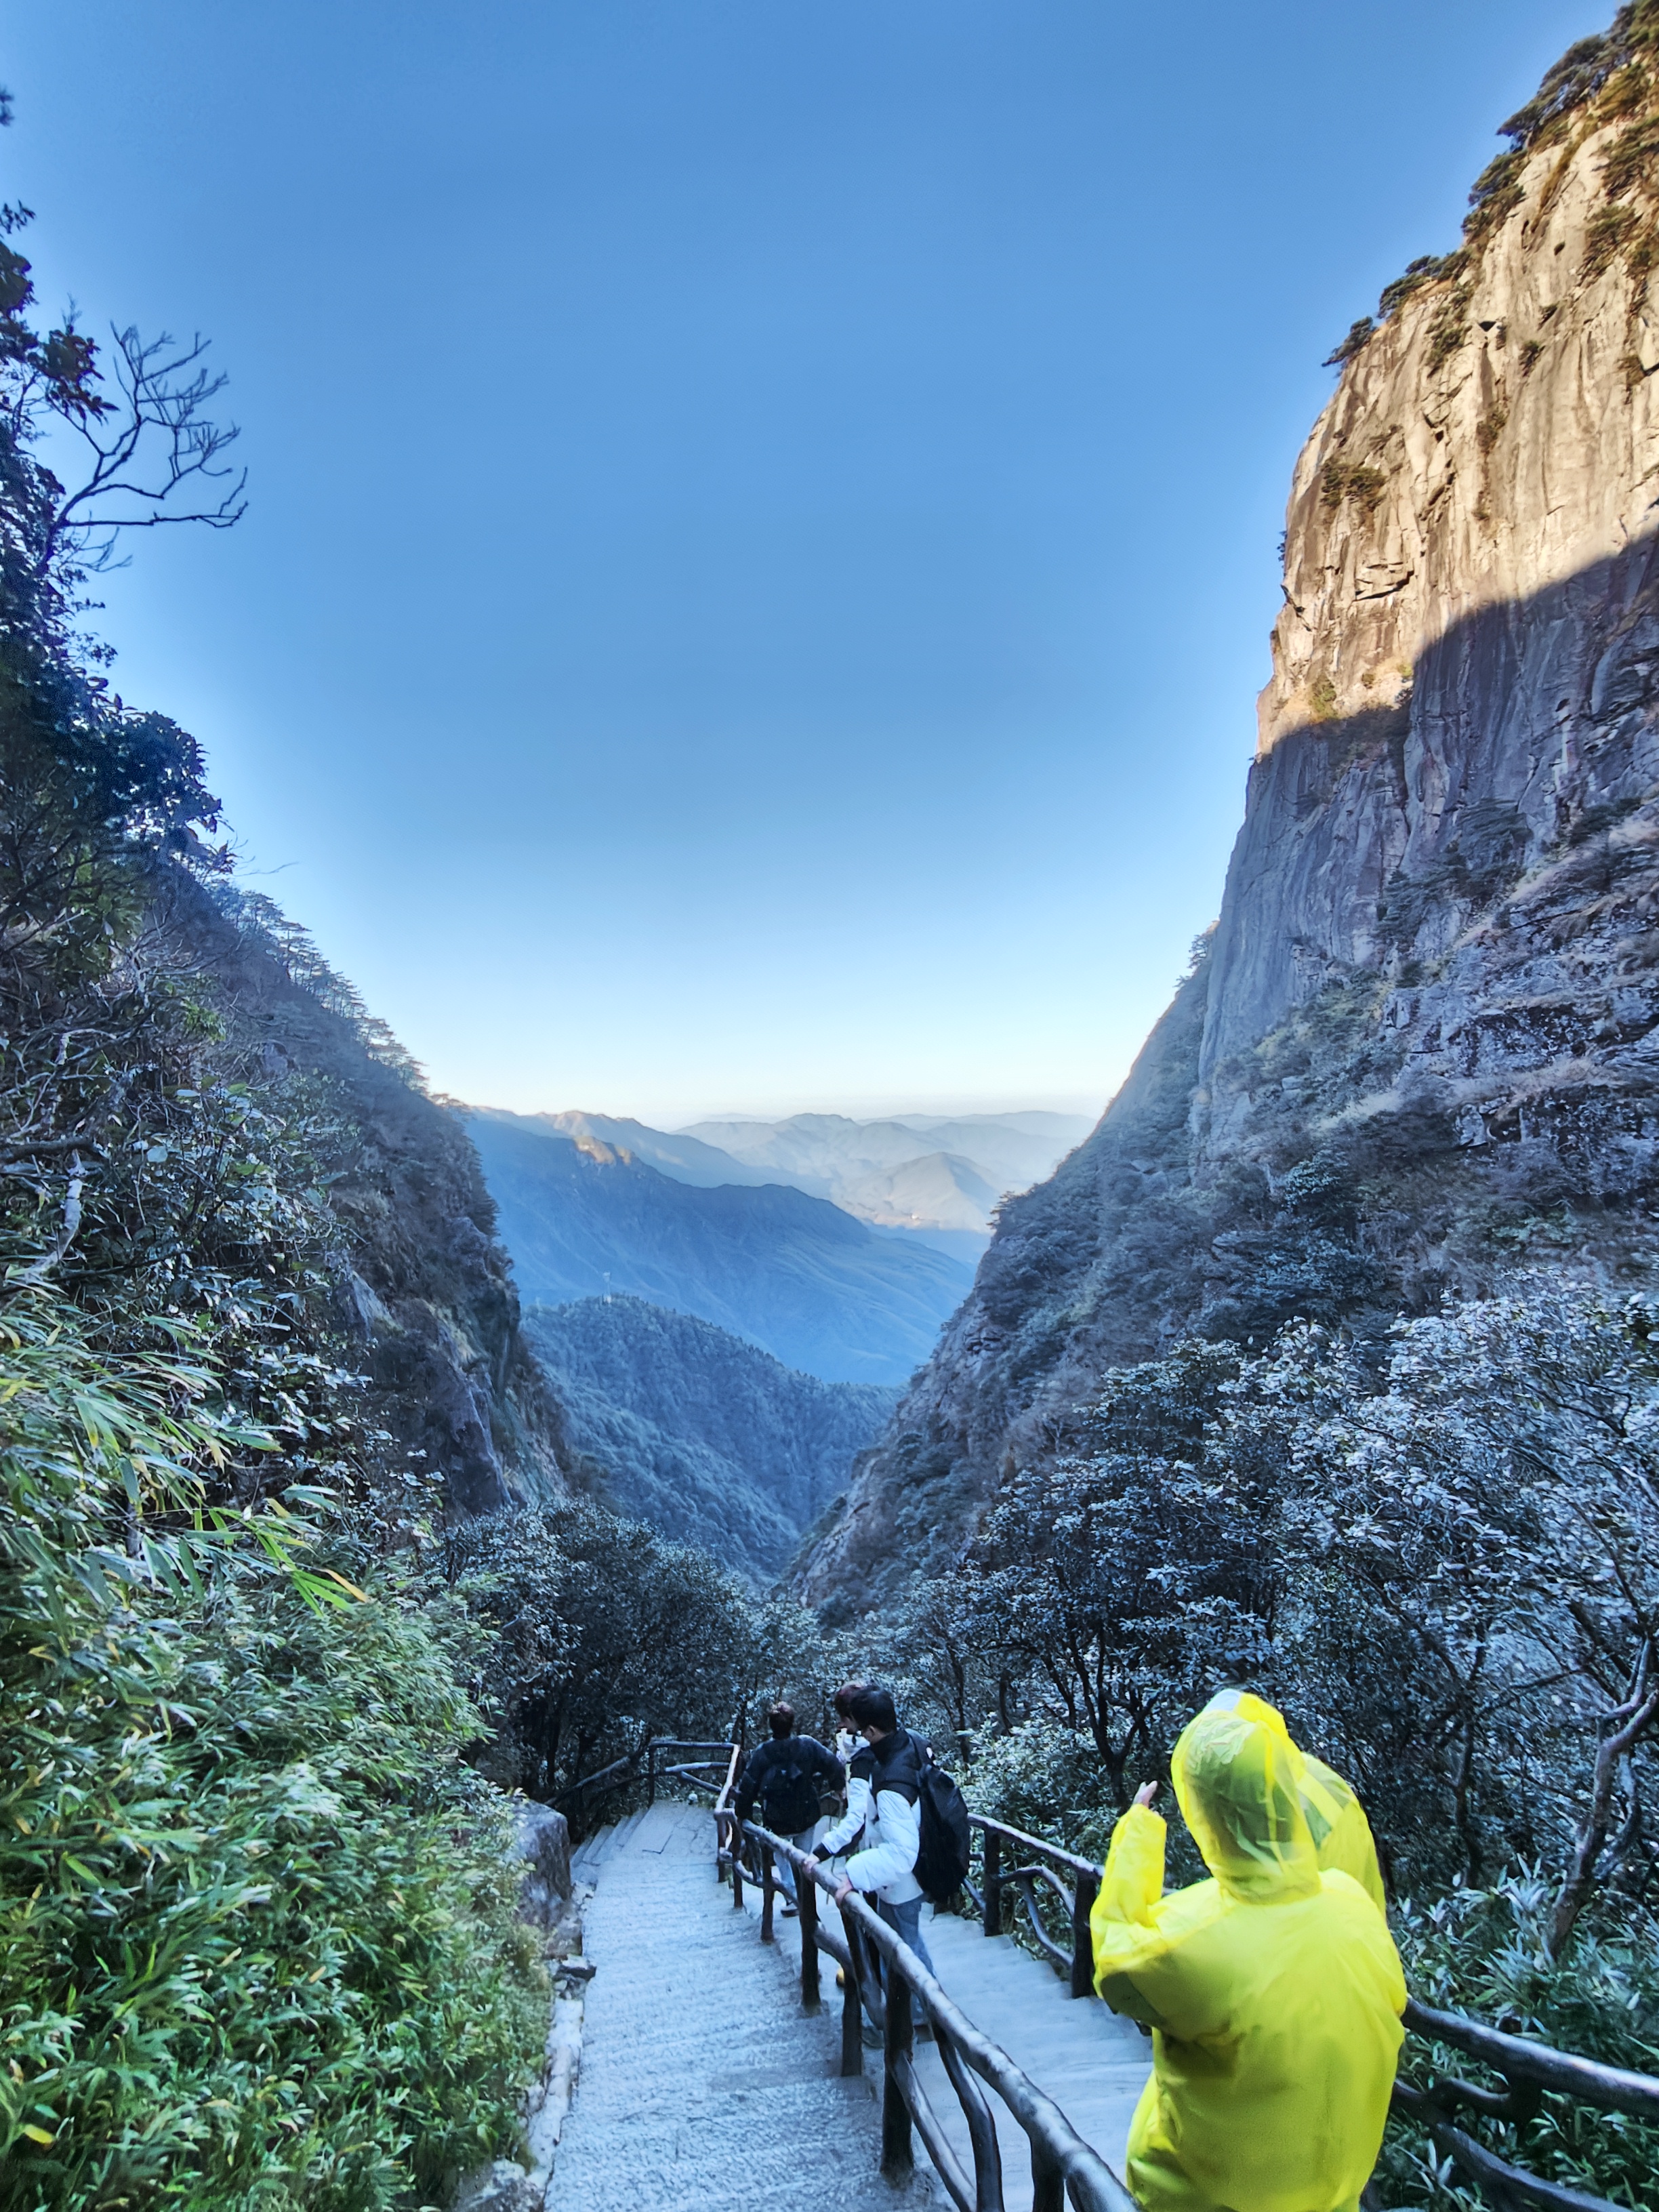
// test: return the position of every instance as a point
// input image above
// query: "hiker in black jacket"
(788, 1775)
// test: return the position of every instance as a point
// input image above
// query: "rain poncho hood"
(1239, 1778)
(1341, 1833)
(1274, 1990)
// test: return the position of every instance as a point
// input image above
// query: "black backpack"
(942, 1860)
(789, 1798)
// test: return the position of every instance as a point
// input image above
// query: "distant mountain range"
(937, 1181)
(709, 1439)
(820, 1291)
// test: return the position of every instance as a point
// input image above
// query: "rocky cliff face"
(1421, 1045)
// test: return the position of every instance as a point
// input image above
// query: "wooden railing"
(622, 1772)
(883, 1978)
(1073, 1881)
(1527, 2070)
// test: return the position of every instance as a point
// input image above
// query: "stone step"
(602, 1846)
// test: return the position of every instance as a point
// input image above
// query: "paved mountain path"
(704, 2084)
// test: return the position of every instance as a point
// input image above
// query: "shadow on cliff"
(1415, 1055)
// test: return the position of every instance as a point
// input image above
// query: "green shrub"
(1490, 429)
(1486, 1951)
(1361, 332)
(1322, 699)
(1449, 328)
(256, 1936)
(1339, 479)
(1609, 229)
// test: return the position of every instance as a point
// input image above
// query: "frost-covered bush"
(1442, 1563)
(1488, 1952)
(1047, 1779)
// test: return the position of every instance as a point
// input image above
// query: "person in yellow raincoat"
(1274, 1990)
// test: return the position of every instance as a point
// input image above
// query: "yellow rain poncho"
(1274, 1991)
(1340, 1831)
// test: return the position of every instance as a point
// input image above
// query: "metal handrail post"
(852, 2010)
(1048, 2180)
(1084, 2174)
(806, 1904)
(992, 1847)
(768, 1891)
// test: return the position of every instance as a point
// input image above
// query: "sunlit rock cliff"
(1420, 1047)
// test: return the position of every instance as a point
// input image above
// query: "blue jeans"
(784, 1871)
(905, 1921)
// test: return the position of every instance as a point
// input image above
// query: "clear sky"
(763, 514)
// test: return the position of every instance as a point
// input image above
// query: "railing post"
(852, 2009)
(651, 1774)
(737, 1864)
(993, 1844)
(768, 1887)
(1086, 1889)
(807, 1903)
(898, 2156)
(1048, 2180)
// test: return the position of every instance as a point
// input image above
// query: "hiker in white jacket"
(859, 1761)
(890, 1817)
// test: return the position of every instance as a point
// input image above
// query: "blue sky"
(763, 514)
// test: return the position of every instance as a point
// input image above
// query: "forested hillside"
(703, 1436)
(818, 1289)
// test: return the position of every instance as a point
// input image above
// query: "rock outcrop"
(1421, 1044)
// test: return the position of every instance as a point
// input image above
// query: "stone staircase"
(704, 2086)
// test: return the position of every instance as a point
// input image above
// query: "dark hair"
(782, 1717)
(842, 1701)
(869, 1707)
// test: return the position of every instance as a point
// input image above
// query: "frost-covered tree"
(1471, 1548)
(1112, 1585)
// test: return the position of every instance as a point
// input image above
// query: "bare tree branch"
(156, 443)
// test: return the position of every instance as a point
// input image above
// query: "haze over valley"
(801, 1269)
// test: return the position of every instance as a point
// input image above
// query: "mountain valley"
(683, 1425)
(822, 1291)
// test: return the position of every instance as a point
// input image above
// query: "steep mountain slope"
(818, 1289)
(709, 1439)
(1422, 1043)
(422, 1288)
